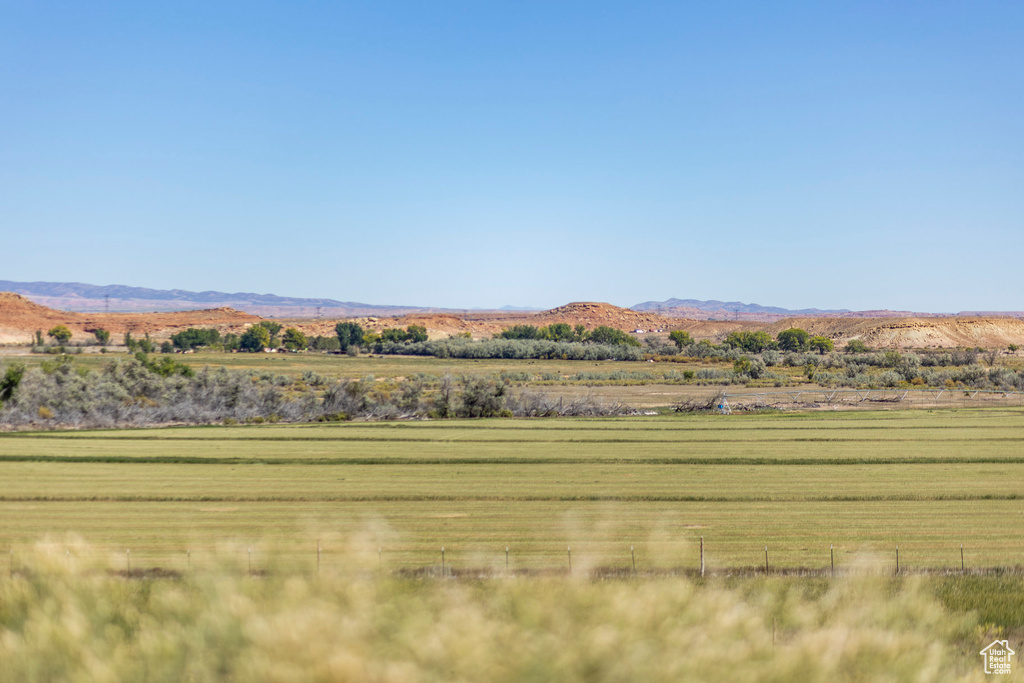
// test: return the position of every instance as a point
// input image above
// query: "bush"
(963, 357)
(60, 334)
(9, 382)
(752, 368)
(519, 332)
(820, 344)
(891, 359)
(193, 338)
(349, 334)
(793, 339)
(562, 332)
(856, 346)
(794, 360)
(325, 344)
(609, 335)
(413, 333)
(295, 340)
(482, 397)
(754, 342)
(255, 339)
(680, 338)
(511, 348)
(271, 327)
(889, 379)
(703, 349)
(555, 332)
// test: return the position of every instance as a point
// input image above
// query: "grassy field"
(863, 481)
(299, 552)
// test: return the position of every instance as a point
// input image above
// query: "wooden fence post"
(702, 557)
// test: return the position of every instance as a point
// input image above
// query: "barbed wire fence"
(322, 558)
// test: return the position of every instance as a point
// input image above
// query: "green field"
(862, 481)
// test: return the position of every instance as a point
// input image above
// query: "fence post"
(633, 556)
(442, 561)
(832, 557)
(569, 550)
(702, 557)
(128, 559)
(897, 558)
(766, 560)
(961, 558)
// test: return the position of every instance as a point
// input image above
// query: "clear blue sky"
(854, 155)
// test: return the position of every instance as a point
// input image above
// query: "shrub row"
(141, 392)
(512, 349)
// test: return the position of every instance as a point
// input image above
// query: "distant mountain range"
(715, 306)
(82, 297)
(736, 310)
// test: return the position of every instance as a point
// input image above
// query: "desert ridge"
(21, 317)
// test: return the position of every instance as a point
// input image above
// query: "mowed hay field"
(389, 496)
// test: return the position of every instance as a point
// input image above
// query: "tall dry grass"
(63, 621)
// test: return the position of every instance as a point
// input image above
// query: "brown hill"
(486, 324)
(20, 318)
(592, 314)
(900, 333)
(906, 333)
(766, 317)
(882, 332)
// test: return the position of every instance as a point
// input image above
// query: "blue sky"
(835, 155)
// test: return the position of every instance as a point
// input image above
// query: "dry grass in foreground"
(71, 624)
